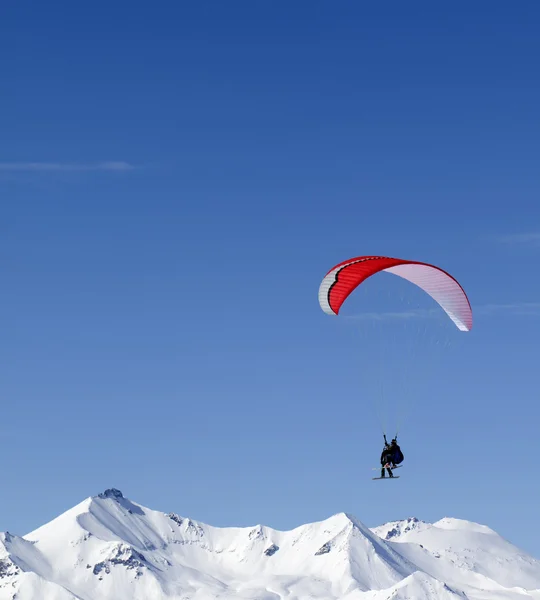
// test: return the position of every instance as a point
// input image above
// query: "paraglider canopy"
(345, 277)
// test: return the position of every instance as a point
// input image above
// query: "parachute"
(344, 278)
(400, 347)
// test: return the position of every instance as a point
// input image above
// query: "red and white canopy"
(345, 277)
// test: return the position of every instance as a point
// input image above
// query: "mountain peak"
(111, 493)
(342, 518)
(462, 524)
(395, 529)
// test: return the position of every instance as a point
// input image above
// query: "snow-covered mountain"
(110, 548)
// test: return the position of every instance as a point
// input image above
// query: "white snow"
(110, 548)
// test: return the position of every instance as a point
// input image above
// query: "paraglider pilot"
(390, 456)
(386, 459)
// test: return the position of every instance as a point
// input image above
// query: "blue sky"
(175, 182)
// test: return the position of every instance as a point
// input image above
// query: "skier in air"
(386, 459)
(390, 457)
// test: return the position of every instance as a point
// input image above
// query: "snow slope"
(110, 548)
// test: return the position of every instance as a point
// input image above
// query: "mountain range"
(111, 548)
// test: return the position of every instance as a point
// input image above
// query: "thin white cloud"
(46, 166)
(511, 308)
(525, 238)
(417, 313)
(515, 308)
